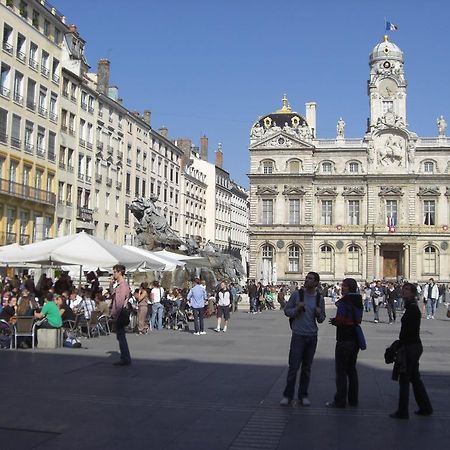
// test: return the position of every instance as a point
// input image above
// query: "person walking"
(196, 297)
(377, 295)
(157, 294)
(411, 347)
(120, 294)
(430, 297)
(391, 298)
(349, 313)
(252, 291)
(224, 299)
(305, 308)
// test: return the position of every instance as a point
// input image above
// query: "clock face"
(388, 87)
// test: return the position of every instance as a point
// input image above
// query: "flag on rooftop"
(391, 26)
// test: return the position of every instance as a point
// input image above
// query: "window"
(15, 131)
(388, 107)
(53, 107)
(294, 166)
(45, 63)
(267, 212)
(429, 212)
(47, 28)
(26, 175)
(51, 146)
(42, 101)
(21, 44)
(353, 212)
(33, 62)
(69, 194)
(136, 187)
(38, 176)
(430, 260)
(267, 167)
(3, 125)
(8, 39)
(428, 167)
(60, 192)
(18, 87)
(353, 259)
(13, 171)
(41, 141)
(57, 36)
(294, 258)
(391, 213)
(35, 19)
(326, 259)
(294, 211)
(5, 80)
(327, 167)
(267, 264)
(353, 167)
(23, 9)
(31, 94)
(55, 70)
(327, 212)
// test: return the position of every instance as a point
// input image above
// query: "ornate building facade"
(369, 208)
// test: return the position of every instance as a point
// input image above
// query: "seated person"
(64, 309)
(49, 315)
(100, 305)
(24, 307)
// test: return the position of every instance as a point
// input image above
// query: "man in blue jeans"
(196, 297)
(304, 310)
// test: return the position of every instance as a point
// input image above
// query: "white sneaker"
(196, 333)
(224, 330)
(432, 317)
(428, 317)
(285, 401)
(217, 330)
(305, 401)
(202, 332)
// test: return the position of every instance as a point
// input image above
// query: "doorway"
(391, 263)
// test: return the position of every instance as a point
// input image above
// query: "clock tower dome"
(387, 86)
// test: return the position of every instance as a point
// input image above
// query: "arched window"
(327, 167)
(353, 167)
(326, 259)
(430, 260)
(353, 259)
(267, 167)
(294, 166)
(267, 264)
(294, 258)
(428, 167)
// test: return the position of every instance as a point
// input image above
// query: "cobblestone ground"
(219, 391)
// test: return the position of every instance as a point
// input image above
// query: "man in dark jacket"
(391, 298)
(252, 295)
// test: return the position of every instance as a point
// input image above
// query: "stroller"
(176, 316)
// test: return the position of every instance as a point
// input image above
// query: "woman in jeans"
(349, 313)
(411, 347)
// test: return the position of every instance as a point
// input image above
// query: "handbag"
(123, 319)
(360, 338)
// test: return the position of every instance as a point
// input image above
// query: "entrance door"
(391, 263)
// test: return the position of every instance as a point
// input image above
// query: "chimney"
(163, 131)
(204, 148)
(311, 117)
(219, 156)
(103, 76)
(147, 116)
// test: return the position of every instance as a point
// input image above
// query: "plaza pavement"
(219, 391)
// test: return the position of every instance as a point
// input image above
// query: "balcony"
(33, 63)
(55, 78)
(21, 56)
(73, 98)
(15, 143)
(89, 145)
(109, 182)
(8, 48)
(82, 142)
(53, 117)
(98, 178)
(18, 98)
(84, 106)
(119, 156)
(61, 165)
(100, 145)
(88, 179)
(119, 185)
(29, 148)
(84, 214)
(138, 166)
(90, 110)
(44, 71)
(24, 239)
(31, 105)
(10, 238)
(81, 176)
(129, 161)
(71, 131)
(64, 128)
(5, 92)
(51, 156)
(65, 94)
(70, 168)
(27, 192)
(40, 152)
(110, 149)
(42, 111)
(100, 114)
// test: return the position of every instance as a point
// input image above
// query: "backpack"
(301, 293)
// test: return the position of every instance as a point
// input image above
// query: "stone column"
(377, 261)
(406, 261)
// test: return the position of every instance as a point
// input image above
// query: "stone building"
(375, 207)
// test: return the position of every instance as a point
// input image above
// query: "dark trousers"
(252, 304)
(346, 354)
(375, 309)
(412, 375)
(391, 311)
(123, 345)
(301, 353)
(198, 319)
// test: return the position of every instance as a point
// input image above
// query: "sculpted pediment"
(390, 190)
(429, 191)
(294, 190)
(280, 139)
(353, 190)
(326, 191)
(267, 190)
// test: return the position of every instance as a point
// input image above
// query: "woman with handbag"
(411, 347)
(348, 317)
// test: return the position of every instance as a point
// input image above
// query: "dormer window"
(327, 167)
(428, 167)
(267, 167)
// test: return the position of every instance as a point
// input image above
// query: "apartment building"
(30, 59)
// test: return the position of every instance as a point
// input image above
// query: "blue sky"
(212, 67)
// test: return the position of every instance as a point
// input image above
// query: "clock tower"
(387, 86)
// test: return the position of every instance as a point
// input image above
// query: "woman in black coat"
(410, 347)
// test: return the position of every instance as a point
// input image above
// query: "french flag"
(391, 26)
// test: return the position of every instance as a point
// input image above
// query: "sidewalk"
(219, 391)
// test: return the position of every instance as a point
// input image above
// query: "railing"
(98, 177)
(40, 152)
(29, 148)
(18, 98)
(21, 56)
(8, 48)
(89, 145)
(55, 78)
(31, 105)
(90, 109)
(33, 63)
(51, 156)
(110, 149)
(81, 176)
(88, 179)
(84, 214)
(108, 181)
(61, 165)
(44, 71)
(100, 145)
(84, 106)
(42, 111)
(24, 239)
(15, 142)
(82, 142)
(72, 131)
(27, 192)
(65, 94)
(64, 128)
(100, 114)
(129, 161)
(118, 185)
(10, 238)
(3, 137)
(70, 168)
(73, 98)
(5, 92)
(53, 116)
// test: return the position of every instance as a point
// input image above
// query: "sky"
(213, 67)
